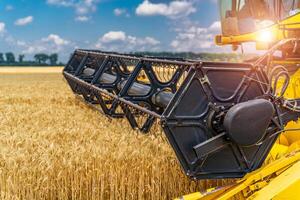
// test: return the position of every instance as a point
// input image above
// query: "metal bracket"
(204, 80)
(211, 145)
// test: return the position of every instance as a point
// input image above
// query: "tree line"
(228, 57)
(41, 59)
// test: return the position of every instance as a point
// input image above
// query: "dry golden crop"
(53, 146)
(31, 70)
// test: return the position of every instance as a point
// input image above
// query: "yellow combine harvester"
(274, 25)
(223, 120)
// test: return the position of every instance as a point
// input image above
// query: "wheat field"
(52, 146)
(30, 70)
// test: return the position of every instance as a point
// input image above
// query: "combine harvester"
(223, 120)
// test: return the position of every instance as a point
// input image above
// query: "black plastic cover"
(246, 123)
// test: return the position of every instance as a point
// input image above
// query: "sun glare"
(265, 36)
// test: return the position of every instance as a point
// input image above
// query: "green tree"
(41, 58)
(10, 58)
(2, 58)
(53, 58)
(37, 58)
(21, 58)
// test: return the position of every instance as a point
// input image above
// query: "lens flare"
(265, 36)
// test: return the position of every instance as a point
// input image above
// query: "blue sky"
(31, 26)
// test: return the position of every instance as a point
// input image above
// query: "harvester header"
(221, 119)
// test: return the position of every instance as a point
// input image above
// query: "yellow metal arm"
(281, 30)
(280, 178)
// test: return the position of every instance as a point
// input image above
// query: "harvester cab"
(222, 119)
(262, 21)
(247, 16)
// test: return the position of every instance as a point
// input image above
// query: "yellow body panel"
(273, 181)
(285, 186)
(292, 136)
(293, 91)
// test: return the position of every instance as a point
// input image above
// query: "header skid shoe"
(198, 104)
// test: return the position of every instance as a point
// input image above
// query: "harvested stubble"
(55, 147)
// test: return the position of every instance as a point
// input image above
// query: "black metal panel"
(192, 127)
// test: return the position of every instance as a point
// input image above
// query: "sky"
(61, 26)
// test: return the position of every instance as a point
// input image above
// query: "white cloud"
(150, 41)
(197, 39)
(81, 7)
(121, 11)
(13, 42)
(56, 39)
(20, 43)
(82, 18)
(61, 2)
(120, 41)
(215, 26)
(113, 36)
(9, 7)
(51, 43)
(174, 9)
(24, 21)
(2, 27)
(34, 49)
